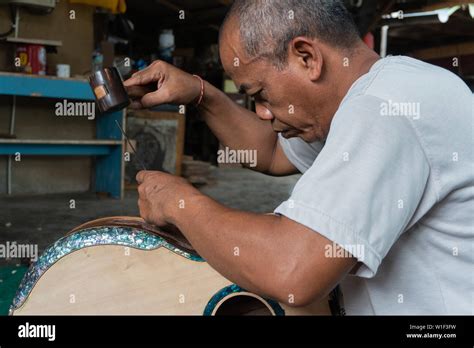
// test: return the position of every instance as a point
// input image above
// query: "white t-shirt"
(394, 186)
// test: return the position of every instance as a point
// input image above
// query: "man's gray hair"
(268, 26)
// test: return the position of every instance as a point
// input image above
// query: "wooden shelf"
(52, 43)
(49, 77)
(58, 147)
(107, 148)
(60, 142)
(44, 86)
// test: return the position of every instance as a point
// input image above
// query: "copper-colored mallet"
(109, 90)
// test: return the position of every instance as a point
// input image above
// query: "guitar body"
(124, 266)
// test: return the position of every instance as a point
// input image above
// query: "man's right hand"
(162, 83)
(234, 126)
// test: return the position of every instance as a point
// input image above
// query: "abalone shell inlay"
(124, 236)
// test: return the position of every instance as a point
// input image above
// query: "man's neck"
(344, 72)
(358, 65)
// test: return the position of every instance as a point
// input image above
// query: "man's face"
(282, 97)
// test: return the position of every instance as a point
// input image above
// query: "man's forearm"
(237, 127)
(237, 244)
(265, 254)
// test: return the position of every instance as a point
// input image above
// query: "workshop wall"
(35, 118)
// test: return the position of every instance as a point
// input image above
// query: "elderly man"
(385, 146)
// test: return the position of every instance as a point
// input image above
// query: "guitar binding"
(113, 235)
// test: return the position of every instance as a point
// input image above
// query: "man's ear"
(307, 55)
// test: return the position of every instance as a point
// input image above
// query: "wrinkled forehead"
(231, 50)
(242, 69)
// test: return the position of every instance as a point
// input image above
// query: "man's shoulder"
(406, 78)
(409, 90)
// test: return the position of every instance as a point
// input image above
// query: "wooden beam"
(459, 50)
(445, 4)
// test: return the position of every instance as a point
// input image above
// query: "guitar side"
(143, 275)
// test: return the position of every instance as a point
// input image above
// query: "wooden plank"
(54, 43)
(445, 4)
(456, 50)
(117, 280)
(114, 280)
(45, 87)
(110, 170)
(57, 149)
(49, 77)
(109, 173)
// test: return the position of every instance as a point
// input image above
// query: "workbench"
(108, 146)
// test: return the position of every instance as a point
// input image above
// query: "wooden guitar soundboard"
(124, 266)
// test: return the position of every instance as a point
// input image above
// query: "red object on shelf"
(31, 59)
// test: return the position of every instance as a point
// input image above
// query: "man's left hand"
(161, 195)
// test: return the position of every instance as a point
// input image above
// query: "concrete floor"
(43, 219)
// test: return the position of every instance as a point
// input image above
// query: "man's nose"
(264, 113)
